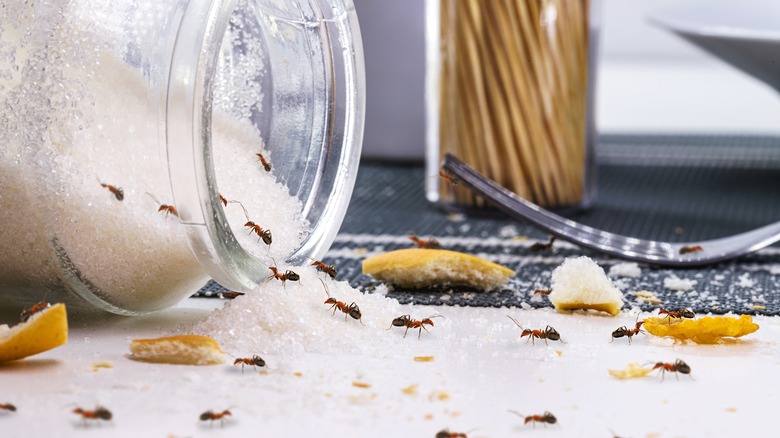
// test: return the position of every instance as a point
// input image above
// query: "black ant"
(625, 331)
(214, 416)
(100, 413)
(328, 269)
(545, 418)
(688, 249)
(7, 407)
(427, 244)
(39, 307)
(680, 313)
(539, 246)
(266, 164)
(408, 322)
(352, 310)
(255, 361)
(677, 367)
(119, 194)
(548, 333)
(168, 209)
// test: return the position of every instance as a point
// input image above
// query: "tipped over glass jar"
(151, 145)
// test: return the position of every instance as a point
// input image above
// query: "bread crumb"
(361, 385)
(410, 390)
(439, 395)
(181, 349)
(580, 283)
(423, 358)
(647, 297)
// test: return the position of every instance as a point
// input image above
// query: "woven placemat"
(672, 188)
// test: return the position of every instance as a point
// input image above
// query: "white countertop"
(481, 369)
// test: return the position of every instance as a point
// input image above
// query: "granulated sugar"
(679, 284)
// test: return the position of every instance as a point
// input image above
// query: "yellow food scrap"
(731, 409)
(705, 330)
(428, 416)
(439, 395)
(181, 349)
(298, 374)
(758, 307)
(410, 390)
(418, 267)
(632, 371)
(647, 297)
(423, 358)
(559, 353)
(98, 365)
(44, 330)
(361, 385)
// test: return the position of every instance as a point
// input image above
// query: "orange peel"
(44, 330)
(705, 330)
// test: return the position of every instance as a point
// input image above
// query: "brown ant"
(408, 322)
(39, 307)
(164, 207)
(288, 275)
(214, 416)
(223, 200)
(625, 331)
(427, 244)
(255, 361)
(542, 291)
(688, 249)
(681, 313)
(443, 174)
(119, 194)
(229, 295)
(100, 413)
(539, 246)
(352, 310)
(266, 164)
(328, 269)
(548, 333)
(677, 367)
(7, 407)
(546, 417)
(445, 433)
(257, 229)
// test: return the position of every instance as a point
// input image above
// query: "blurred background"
(649, 81)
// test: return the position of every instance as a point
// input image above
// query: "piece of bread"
(419, 268)
(44, 330)
(580, 283)
(181, 349)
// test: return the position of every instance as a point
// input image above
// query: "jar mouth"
(310, 120)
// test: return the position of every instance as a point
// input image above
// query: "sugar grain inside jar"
(152, 145)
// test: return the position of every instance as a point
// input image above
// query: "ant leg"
(407, 331)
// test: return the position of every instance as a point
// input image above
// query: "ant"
(27, 313)
(542, 291)
(7, 407)
(255, 361)
(266, 164)
(164, 207)
(288, 275)
(119, 194)
(229, 295)
(625, 331)
(445, 433)
(443, 174)
(100, 413)
(427, 244)
(214, 416)
(257, 229)
(352, 310)
(548, 333)
(681, 313)
(539, 246)
(408, 322)
(687, 249)
(677, 367)
(223, 200)
(328, 269)
(546, 417)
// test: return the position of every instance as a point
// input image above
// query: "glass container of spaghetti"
(510, 92)
(149, 145)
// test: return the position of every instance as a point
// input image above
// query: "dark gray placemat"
(674, 188)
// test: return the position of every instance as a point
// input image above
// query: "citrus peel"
(705, 330)
(44, 330)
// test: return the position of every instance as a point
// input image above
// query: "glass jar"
(150, 145)
(510, 92)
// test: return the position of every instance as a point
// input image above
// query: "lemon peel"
(632, 371)
(705, 330)
(418, 267)
(44, 330)
(180, 349)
